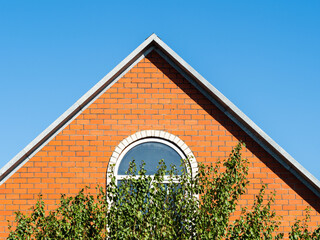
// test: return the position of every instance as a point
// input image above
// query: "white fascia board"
(25, 154)
(244, 121)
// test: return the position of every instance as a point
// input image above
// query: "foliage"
(300, 230)
(259, 223)
(219, 193)
(168, 205)
(79, 217)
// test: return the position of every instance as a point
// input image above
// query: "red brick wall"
(152, 95)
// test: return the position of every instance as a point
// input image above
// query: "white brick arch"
(150, 135)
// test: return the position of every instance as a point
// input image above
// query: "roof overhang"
(155, 43)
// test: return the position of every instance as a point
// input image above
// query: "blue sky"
(262, 55)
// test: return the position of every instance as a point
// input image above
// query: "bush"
(158, 207)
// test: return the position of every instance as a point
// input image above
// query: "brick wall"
(152, 95)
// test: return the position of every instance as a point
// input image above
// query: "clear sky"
(262, 55)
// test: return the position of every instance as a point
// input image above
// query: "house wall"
(152, 95)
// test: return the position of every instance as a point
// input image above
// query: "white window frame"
(150, 136)
(145, 140)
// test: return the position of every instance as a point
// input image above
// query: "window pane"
(150, 153)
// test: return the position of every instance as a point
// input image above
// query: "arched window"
(150, 151)
(150, 146)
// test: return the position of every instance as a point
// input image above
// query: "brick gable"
(152, 95)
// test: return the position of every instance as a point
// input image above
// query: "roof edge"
(217, 98)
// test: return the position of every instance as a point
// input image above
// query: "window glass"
(150, 153)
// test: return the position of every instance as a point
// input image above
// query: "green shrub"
(162, 207)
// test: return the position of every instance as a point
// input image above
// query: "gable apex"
(154, 43)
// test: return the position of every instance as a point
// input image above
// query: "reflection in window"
(150, 153)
